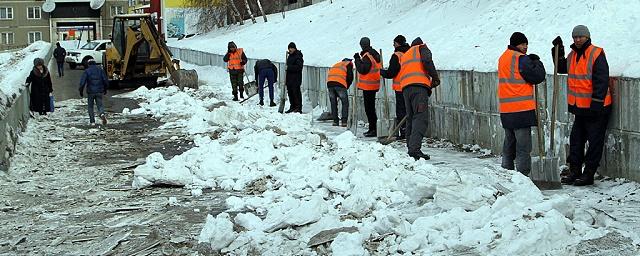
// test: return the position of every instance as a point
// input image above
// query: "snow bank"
(296, 187)
(14, 69)
(462, 34)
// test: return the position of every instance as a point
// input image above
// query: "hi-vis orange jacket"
(235, 60)
(411, 69)
(579, 81)
(370, 81)
(338, 73)
(514, 93)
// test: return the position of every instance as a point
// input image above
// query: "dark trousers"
(60, 68)
(369, 98)
(295, 97)
(416, 102)
(587, 129)
(335, 93)
(237, 83)
(401, 112)
(266, 74)
(517, 146)
(97, 99)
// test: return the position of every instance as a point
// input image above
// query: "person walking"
(295, 63)
(589, 99)
(95, 80)
(59, 54)
(41, 87)
(400, 47)
(368, 66)
(518, 74)
(418, 77)
(339, 80)
(265, 70)
(235, 59)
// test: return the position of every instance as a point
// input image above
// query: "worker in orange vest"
(518, 73)
(368, 67)
(400, 47)
(339, 79)
(589, 99)
(235, 60)
(418, 76)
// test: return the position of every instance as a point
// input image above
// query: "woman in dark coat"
(294, 78)
(41, 87)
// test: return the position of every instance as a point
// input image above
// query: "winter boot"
(574, 173)
(343, 123)
(235, 97)
(242, 94)
(586, 178)
(291, 109)
(336, 123)
(372, 132)
(261, 103)
(272, 104)
(418, 155)
(104, 119)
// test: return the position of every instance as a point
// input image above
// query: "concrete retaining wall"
(464, 109)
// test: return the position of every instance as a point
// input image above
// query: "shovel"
(545, 172)
(384, 124)
(283, 87)
(391, 137)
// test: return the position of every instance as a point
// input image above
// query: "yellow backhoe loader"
(138, 55)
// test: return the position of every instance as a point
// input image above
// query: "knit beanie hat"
(292, 45)
(231, 45)
(365, 42)
(400, 39)
(581, 30)
(38, 61)
(517, 38)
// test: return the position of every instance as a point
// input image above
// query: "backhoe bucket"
(187, 78)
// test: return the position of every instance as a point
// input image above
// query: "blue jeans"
(60, 68)
(97, 97)
(270, 77)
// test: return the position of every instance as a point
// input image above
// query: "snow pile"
(462, 34)
(14, 69)
(299, 182)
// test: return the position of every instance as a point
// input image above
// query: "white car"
(93, 49)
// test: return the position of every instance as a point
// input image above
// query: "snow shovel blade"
(251, 88)
(545, 173)
(187, 78)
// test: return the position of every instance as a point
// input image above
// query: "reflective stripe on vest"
(338, 73)
(514, 93)
(235, 60)
(370, 81)
(579, 79)
(396, 80)
(411, 69)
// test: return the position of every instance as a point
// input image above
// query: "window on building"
(7, 38)
(132, 2)
(34, 13)
(116, 9)
(6, 13)
(35, 36)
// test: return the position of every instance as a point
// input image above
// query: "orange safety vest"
(396, 80)
(514, 93)
(411, 69)
(338, 73)
(235, 60)
(579, 82)
(370, 81)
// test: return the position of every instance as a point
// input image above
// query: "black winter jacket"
(41, 86)
(600, 79)
(532, 70)
(265, 64)
(295, 63)
(59, 54)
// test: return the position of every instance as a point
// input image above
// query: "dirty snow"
(297, 179)
(327, 32)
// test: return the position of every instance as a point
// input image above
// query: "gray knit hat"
(581, 30)
(38, 61)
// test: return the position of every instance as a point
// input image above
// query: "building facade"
(23, 22)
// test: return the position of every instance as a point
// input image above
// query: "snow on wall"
(463, 34)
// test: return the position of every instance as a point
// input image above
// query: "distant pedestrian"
(41, 87)
(418, 76)
(95, 80)
(368, 66)
(339, 80)
(400, 47)
(59, 54)
(518, 74)
(295, 63)
(589, 99)
(265, 70)
(236, 59)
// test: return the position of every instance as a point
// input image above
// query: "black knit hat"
(292, 45)
(231, 45)
(400, 39)
(517, 38)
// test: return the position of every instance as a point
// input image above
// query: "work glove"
(534, 57)
(356, 56)
(557, 41)
(435, 83)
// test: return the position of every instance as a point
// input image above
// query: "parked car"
(93, 49)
